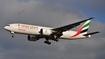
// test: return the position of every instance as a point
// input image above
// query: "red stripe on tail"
(78, 32)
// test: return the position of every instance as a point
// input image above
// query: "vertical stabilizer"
(83, 29)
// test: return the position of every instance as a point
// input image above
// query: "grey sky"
(93, 5)
(46, 14)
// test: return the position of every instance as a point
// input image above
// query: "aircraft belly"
(68, 35)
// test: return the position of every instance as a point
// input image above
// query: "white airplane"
(36, 32)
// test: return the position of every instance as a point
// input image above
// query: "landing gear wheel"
(12, 34)
(56, 40)
(47, 42)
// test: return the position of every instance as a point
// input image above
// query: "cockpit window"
(8, 25)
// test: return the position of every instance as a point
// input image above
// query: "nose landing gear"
(12, 34)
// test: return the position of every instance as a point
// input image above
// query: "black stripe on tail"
(84, 30)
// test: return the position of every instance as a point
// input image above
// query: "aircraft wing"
(70, 26)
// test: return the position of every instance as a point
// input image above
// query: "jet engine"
(32, 38)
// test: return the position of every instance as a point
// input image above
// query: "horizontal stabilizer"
(91, 33)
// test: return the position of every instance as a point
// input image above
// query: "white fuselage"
(34, 30)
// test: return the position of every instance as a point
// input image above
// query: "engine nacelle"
(32, 38)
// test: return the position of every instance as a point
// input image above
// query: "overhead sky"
(52, 13)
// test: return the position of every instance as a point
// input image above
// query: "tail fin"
(83, 29)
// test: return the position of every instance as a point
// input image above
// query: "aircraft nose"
(6, 27)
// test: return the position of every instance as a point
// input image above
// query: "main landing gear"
(47, 41)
